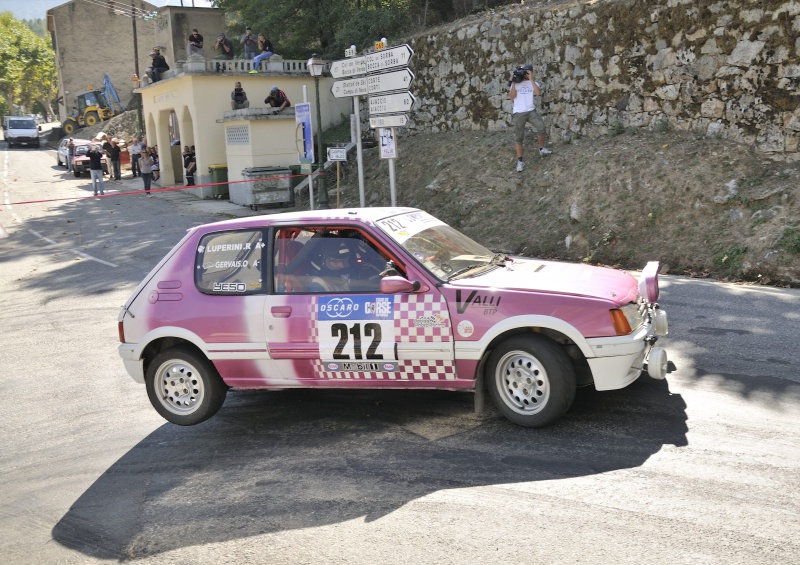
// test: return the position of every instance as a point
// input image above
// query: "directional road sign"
(387, 82)
(388, 121)
(350, 87)
(374, 62)
(389, 58)
(391, 103)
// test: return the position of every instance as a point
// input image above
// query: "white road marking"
(10, 209)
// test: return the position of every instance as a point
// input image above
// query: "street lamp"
(315, 66)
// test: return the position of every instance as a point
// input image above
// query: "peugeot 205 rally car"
(381, 298)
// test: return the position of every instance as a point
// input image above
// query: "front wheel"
(184, 387)
(531, 380)
(91, 118)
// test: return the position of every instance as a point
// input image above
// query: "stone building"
(91, 39)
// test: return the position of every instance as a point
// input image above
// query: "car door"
(355, 335)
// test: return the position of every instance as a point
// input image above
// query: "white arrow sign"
(374, 62)
(350, 87)
(386, 82)
(391, 103)
(349, 67)
(389, 58)
(398, 120)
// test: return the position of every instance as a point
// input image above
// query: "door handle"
(281, 311)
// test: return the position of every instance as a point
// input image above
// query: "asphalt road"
(700, 468)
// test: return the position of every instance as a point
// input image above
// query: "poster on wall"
(388, 143)
(304, 135)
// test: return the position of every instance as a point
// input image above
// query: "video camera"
(520, 73)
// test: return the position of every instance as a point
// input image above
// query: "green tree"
(27, 66)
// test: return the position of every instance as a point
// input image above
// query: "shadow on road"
(276, 461)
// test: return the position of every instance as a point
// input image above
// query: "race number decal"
(356, 328)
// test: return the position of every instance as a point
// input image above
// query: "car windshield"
(445, 252)
(28, 123)
(81, 150)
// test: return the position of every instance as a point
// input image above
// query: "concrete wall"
(91, 40)
(174, 24)
(728, 68)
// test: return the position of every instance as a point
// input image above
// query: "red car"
(81, 160)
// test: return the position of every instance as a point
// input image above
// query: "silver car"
(62, 153)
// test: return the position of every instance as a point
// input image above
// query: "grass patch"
(790, 240)
(729, 261)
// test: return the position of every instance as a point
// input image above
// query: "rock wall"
(728, 68)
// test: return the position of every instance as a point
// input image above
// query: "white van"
(21, 130)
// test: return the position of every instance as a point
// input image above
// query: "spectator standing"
(136, 152)
(195, 46)
(156, 167)
(239, 97)
(96, 169)
(113, 153)
(523, 89)
(158, 64)
(250, 43)
(146, 170)
(277, 99)
(189, 165)
(265, 52)
(70, 155)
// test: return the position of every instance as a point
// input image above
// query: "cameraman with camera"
(224, 46)
(523, 89)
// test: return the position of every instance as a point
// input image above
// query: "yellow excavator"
(94, 106)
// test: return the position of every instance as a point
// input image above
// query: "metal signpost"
(337, 154)
(384, 77)
(302, 117)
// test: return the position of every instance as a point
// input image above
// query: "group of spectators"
(276, 99)
(256, 47)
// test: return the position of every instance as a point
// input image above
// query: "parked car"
(21, 130)
(81, 160)
(381, 298)
(62, 153)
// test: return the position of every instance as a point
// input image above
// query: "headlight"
(627, 318)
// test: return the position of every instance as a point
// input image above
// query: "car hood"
(557, 278)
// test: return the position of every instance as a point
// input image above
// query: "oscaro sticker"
(465, 328)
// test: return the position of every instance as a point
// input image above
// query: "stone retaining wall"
(728, 68)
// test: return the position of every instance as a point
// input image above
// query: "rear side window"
(230, 263)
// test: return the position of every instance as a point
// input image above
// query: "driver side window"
(314, 260)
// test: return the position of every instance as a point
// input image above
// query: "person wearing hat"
(224, 46)
(277, 99)
(265, 48)
(114, 151)
(250, 43)
(195, 46)
(158, 64)
(523, 89)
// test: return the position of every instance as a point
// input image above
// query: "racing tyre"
(92, 119)
(184, 387)
(531, 380)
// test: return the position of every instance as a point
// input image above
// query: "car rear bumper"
(134, 365)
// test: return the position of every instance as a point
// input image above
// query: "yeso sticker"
(465, 328)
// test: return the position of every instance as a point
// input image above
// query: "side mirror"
(398, 285)
(40, 128)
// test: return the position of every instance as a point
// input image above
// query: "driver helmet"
(337, 257)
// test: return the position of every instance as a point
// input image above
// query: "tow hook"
(651, 340)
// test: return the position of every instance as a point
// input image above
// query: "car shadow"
(276, 461)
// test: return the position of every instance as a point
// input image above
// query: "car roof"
(358, 215)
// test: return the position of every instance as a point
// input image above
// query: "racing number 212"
(370, 330)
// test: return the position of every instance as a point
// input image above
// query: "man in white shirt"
(136, 154)
(523, 89)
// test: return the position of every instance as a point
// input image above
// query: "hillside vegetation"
(702, 206)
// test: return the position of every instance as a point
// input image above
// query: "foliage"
(27, 67)
(298, 28)
(790, 240)
(37, 26)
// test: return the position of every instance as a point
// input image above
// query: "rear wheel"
(91, 119)
(531, 380)
(184, 387)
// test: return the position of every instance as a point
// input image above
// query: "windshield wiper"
(500, 259)
(468, 268)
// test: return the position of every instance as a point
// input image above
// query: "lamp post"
(315, 66)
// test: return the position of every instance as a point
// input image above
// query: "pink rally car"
(381, 298)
